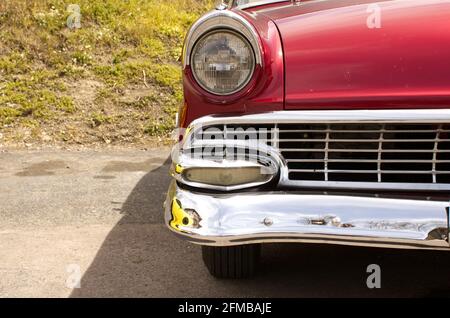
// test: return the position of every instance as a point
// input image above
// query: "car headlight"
(223, 62)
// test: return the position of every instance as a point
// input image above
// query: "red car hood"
(335, 60)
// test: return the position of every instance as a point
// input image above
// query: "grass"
(116, 79)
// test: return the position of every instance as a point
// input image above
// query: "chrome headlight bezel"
(244, 40)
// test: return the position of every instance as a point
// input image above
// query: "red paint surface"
(335, 61)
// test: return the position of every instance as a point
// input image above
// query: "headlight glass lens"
(223, 62)
(226, 176)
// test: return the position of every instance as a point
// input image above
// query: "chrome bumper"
(223, 218)
(255, 217)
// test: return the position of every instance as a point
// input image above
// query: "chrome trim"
(225, 4)
(271, 161)
(422, 116)
(221, 19)
(415, 187)
(333, 116)
(284, 217)
(259, 3)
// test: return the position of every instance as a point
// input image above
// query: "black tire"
(232, 261)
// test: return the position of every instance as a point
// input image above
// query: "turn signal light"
(227, 176)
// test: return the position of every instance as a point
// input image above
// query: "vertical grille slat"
(327, 146)
(435, 148)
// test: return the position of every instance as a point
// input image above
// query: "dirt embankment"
(99, 73)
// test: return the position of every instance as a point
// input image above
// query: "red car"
(321, 121)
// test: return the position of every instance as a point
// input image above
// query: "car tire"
(232, 261)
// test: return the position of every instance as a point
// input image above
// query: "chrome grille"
(398, 154)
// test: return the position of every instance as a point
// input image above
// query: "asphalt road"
(98, 216)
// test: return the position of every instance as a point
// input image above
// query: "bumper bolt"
(336, 221)
(267, 221)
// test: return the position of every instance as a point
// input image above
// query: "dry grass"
(115, 80)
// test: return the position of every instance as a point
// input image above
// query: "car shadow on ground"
(141, 258)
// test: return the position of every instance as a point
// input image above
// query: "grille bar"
(368, 160)
(358, 140)
(358, 150)
(435, 150)
(368, 171)
(374, 153)
(361, 131)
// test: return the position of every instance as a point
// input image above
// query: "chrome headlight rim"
(245, 40)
